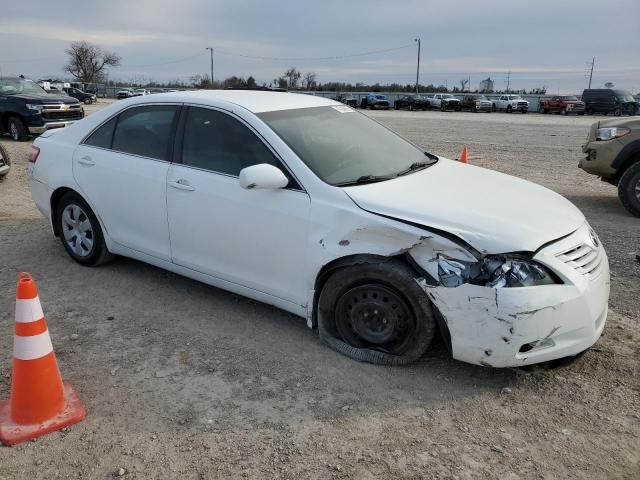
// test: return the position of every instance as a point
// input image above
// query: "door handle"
(182, 184)
(86, 160)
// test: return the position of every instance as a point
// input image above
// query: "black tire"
(396, 106)
(388, 287)
(564, 112)
(524, 111)
(5, 158)
(589, 111)
(17, 129)
(493, 107)
(509, 109)
(617, 112)
(443, 108)
(98, 253)
(629, 189)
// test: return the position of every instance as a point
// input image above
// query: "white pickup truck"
(444, 101)
(510, 103)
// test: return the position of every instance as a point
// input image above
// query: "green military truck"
(612, 152)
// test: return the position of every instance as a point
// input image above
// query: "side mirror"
(263, 176)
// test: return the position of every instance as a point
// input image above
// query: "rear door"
(121, 169)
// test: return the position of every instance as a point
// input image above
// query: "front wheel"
(17, 129)
(80, 231)
(376, 313)
(629, 189)
(509, 109)
(617, 112)
(494, 107)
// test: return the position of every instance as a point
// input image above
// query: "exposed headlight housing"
(603, 134)
(507, 271)
(495, 271)
(34, 107)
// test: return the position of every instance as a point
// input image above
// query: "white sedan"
(303, 203)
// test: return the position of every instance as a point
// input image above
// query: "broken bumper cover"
(511, 327)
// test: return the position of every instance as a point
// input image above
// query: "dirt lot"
(182, 380)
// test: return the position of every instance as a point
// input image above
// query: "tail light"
(35, 153)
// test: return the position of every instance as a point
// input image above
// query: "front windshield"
(573, 99)
(448, 95)
(625, 97)
(341, 145)
(380, 97)
(9, 86)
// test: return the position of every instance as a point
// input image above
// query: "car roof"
(256, 101)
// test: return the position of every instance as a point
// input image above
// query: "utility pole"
(508, 79)
(593, 61)
(418, 69)
(211, 51)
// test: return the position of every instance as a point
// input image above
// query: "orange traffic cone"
(40, 403)
(464, 156)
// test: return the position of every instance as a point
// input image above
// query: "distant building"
(486, 85)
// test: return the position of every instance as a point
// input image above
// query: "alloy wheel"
(77, 230)
(13, 132)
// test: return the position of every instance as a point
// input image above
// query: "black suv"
(606, 100)
(80, 95)
(26, 108)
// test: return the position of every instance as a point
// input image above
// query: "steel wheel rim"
(77, 230)
(14, 131)
(376, 317)
(637, 190)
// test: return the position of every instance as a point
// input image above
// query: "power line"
(184, 59)
(300, 59)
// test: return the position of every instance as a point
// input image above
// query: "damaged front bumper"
(510, 327)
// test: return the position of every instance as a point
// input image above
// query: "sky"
(541, 42)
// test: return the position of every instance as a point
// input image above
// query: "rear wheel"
(629, 189)
(376, 313)
(17, 129)
(80, 231)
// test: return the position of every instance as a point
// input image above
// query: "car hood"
(48, 98)
(491, 211)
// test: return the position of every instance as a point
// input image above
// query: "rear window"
(145, 131)
(102, 136)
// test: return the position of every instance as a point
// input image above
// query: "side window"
(218, 142)
(145, 131)
(102, 136)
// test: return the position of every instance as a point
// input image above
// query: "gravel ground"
(182, 380)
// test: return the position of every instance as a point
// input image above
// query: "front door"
(254, 238)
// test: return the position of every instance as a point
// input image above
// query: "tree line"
(89, 63)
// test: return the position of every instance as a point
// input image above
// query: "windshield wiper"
(417, 166)
(362, 180)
